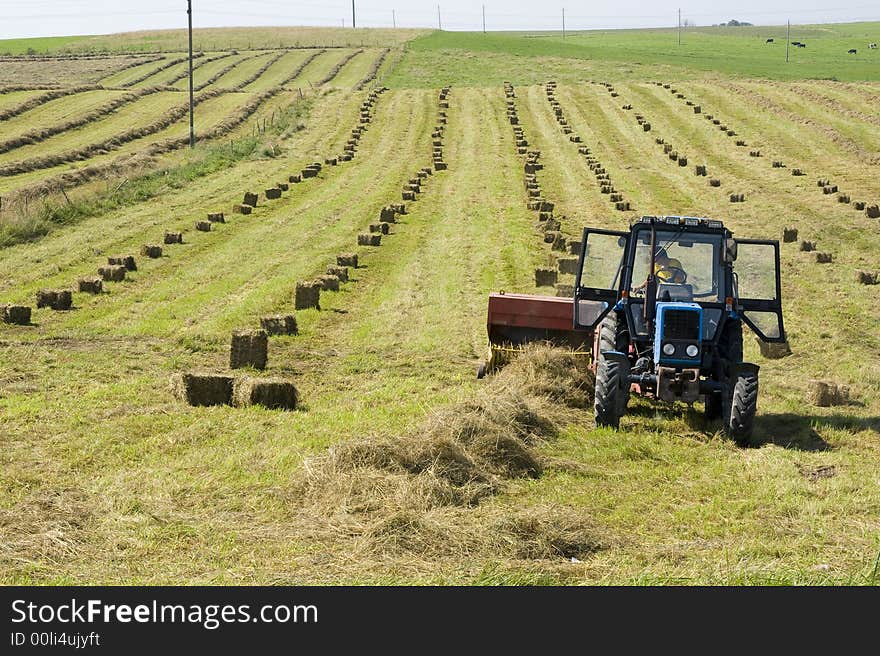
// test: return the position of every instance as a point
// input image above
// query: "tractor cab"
(666, 302)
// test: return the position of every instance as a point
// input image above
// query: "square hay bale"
(154, 251)
(347, 260)
(754, 153)
(545, 277)
(697, 109)
(737, 198)
(242, 209)
(203, 226)
(565, 291)
(279, 324)
(714, 182)
(250, 348)
(829, 189)
(127, 261)
(296, 178)
(112, 273)
(307, 295)
(873, 211)
(329, 283)
(823, 258)
(682, 161)
(574, 247)
(622, 206)
(90, 285)
(272, 393)
(388, 215)
(843, 198)
(807, 246)
(773, 350)
(567, 265)
(56, 299)
(368, 239)
(202, 389)
(250, 199)
(273, 193)
(338, 271)
(15, 314)
(858, 205)
(559, 242)
(797, 172)
(646, 126)
(825, 393)
(408, 195)
(283, 186)
(700, 169)
(778, 165)
(331, 161)
(216, 217)
(309, 173)
(379, 228)
(867, 277)
(789, 235)
(439, 166)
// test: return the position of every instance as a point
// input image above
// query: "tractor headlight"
(669, 349)
(692, 350)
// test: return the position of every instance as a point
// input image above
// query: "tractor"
(664, 306)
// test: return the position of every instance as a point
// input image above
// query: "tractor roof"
(683, 221)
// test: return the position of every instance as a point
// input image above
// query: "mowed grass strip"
(280, 70)
(123, 77)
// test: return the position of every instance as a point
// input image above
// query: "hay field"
(399, 466)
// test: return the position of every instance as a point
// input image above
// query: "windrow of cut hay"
(38, 101)
(197, 65)
(256, 76)
(374, 70)
(299, 69)
(41, 134)
(338, 67)
(420, 494)
(163, 67)
(226, 69)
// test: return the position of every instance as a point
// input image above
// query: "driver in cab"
(666, 269)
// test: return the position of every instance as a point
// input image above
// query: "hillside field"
(399, 466)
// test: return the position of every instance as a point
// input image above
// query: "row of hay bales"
(680, 160)
(872, 211)
(603, 178)
(249, 348)
(374, 70)
(548, 225)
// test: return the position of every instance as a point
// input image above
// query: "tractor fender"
(616, 356)
(744, 368)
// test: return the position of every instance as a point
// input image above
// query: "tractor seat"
(672, 292)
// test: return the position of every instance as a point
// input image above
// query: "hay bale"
(250, 348)
(843, 198)
(154, 251)
(388, 215)
(273, 194)
(829, 189)
(309, 173)
(565, 291)
(216, 217)
(559, 242)
(90, 285)
(175, 237)
(340, 272)
(567, 265)
(778, 165)
(272, 393)
(408, 195)
(307, 295)
(825, 394)
(367, 239)
(807, 246)
(296, 178)
(622, 206)
(279, 324)
(203, 226)
(867, 277)
(737, 198)
(823, 258)
(574, 247)
(797, 172)
(646, 127)
(347, 260)
(329, 283)
(697, 109)
(700, 170)
(250, 199)
(773, 350)
(15, 314)
(242, 209)
(858, 205)
(111, 273)
(202, 389)
(439, 166)
(545, 277)
(56, 299)
(754, 153)
(789, 235)
(682, 161)
(379, 228)
(873, 211)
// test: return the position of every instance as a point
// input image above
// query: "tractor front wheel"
(609, 402)
(739, 411)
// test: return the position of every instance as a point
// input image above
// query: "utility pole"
(394, 19)
(563, 22)
(484, 19)
(353, 24)
(679, 27)
(439, 22)
(787, 41)
(192, 129)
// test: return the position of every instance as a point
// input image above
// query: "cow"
(769, 41)
(852, 51)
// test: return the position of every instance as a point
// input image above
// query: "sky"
(32, 18)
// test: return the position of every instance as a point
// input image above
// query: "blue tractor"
(667, 302)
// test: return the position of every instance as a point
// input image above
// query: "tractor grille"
(681, 324)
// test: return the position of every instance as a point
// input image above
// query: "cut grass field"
(106, 478)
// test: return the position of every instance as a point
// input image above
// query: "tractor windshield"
(686, 266)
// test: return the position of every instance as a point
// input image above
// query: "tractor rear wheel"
(609, 403)
(614, 337)
(739, 411)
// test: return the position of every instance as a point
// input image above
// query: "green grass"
(39, 45)
(476, 58)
